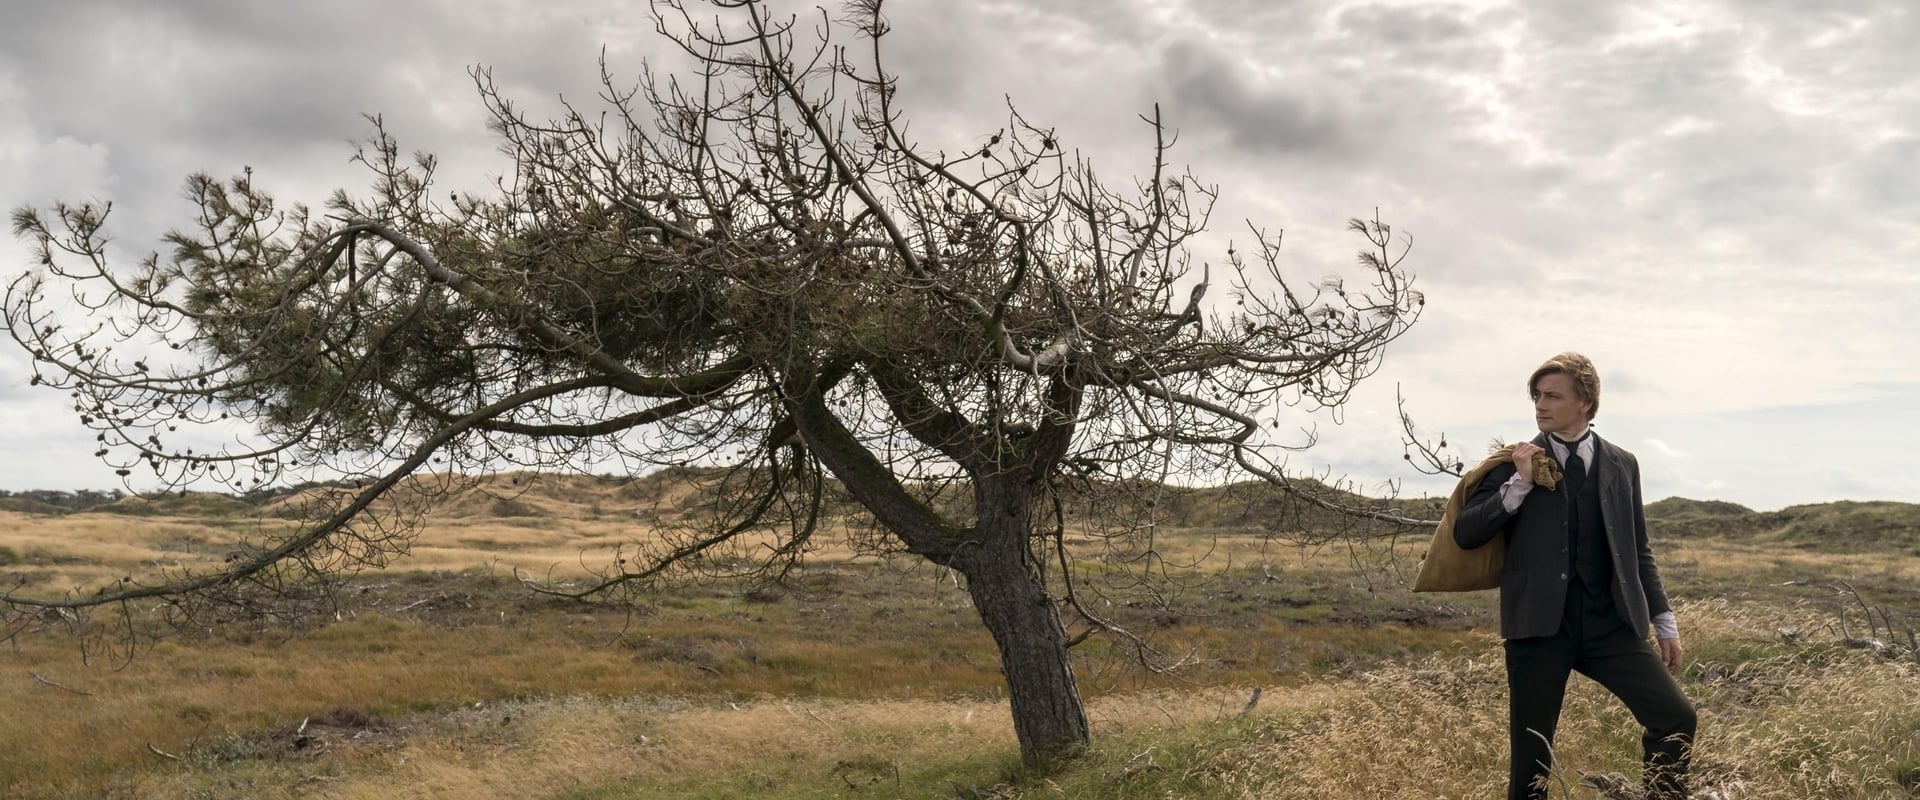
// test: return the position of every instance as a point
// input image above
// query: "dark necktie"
(1573, 474)
(1575, 469)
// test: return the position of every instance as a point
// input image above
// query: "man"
(1579, 587)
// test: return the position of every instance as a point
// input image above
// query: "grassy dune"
(443, 678)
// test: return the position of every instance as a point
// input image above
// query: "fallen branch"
(57, 685)
(159, 752)
(1134, 765)
(413, 605)
(1874, 641)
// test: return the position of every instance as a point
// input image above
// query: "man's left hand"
(1670, 652)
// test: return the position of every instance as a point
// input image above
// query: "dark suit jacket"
(1533, 584)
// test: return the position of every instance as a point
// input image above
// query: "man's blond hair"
(1579, 369)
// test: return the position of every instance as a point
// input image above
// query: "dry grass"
(1795, 722)
(1803, 721)
(871, 679)
(56, 553)
(663, 748)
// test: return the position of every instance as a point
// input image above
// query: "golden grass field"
(442, 677)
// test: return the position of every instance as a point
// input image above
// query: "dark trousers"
(1596, 642)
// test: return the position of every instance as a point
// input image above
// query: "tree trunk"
(1005, 585)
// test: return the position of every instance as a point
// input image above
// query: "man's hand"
(1670, 652)
(1523, 454)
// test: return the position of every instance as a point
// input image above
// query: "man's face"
(1557, 408)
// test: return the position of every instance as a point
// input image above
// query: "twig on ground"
(57, 685)
(162, 753)
(1134, 765)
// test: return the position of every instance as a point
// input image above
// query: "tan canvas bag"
(1447, 568)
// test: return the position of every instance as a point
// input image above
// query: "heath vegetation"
(444, 676)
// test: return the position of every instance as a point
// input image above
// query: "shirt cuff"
(1666, 626)
(1514, 491)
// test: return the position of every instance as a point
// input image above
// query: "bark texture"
(1013, 602)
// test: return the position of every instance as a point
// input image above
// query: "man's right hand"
(1523, 454)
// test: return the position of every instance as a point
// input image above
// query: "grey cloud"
(1617, 380)
(54, 168)
(1218, 93)
(1407, 26)
(1274, 22)
(1672, 137)
(167, 89)
(1558, 22)
(1591, 102)
(1883, 179)
(1752, 198)
(956, 56)
(233, 74)
(964, 52)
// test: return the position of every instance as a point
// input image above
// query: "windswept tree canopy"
(752, 265)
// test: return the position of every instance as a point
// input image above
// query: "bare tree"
(750, 267)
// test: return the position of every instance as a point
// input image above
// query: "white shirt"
(1665, 625)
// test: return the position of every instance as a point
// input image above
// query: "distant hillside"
(1838, 526)
(675, 493)
(1685, 518)
(1850, 526)
(189, 504)
(1683, 508)
(668, 492)
(52, 501)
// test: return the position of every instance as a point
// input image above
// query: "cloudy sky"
(1717, 201)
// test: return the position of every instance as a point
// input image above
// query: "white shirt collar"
(1586, 448)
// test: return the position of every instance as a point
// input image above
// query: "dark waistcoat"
(1588, 555)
